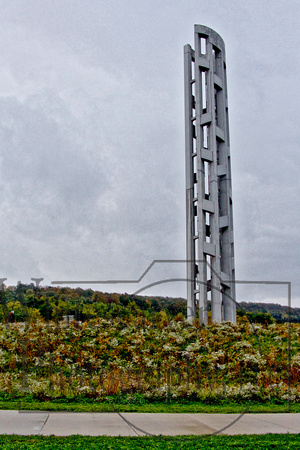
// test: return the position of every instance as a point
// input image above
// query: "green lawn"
(265, 442)
(159, 407)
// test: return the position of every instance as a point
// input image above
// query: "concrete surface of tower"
(209, 219)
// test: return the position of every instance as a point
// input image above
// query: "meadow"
(133, 361)
(129, 353)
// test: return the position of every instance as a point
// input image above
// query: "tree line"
(28, 302)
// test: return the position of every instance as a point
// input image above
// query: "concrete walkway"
(147, 424)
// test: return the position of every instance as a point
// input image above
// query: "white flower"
(114, 342)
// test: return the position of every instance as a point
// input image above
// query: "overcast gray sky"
(92, 138)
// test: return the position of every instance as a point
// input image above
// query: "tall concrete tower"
(209, 221)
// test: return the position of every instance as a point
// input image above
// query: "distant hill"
(52, 303)
(279, 312)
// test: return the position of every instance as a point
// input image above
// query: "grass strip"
(259, 442)
(159, 407)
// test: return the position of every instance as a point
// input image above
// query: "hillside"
(279, 312)
(52, 303)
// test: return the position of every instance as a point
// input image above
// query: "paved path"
(137, 424)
